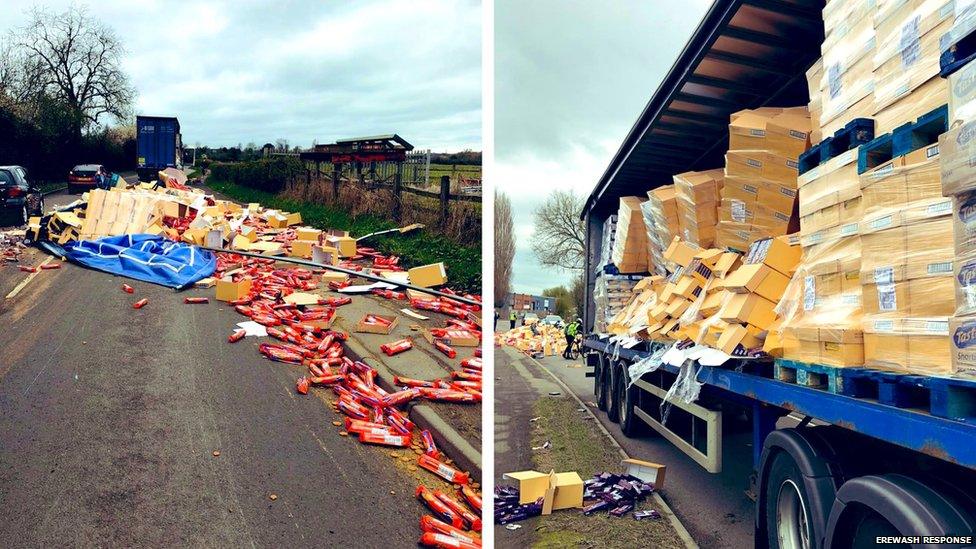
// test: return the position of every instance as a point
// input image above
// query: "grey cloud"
(408, 72)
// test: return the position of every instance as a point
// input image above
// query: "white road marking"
(13, 293)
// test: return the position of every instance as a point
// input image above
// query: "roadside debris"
(536, 340)
(285, 302)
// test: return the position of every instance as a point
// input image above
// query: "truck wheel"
(602, 381)
(597, 373)
(613, 393)
(893, 504)
(628, 397)
(788, 524)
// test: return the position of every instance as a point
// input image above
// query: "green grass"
(578, 445)
(52, 185)
(463, 262)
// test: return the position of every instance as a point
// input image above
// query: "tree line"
(61, 85)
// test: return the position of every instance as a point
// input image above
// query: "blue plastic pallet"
(853, 134)
(941, 397)
(958, 55)
(904, 139)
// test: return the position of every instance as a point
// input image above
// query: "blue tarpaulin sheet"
(145, 257)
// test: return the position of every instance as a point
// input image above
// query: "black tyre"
(628, 397)
(788, 524)
(597, 372)
(603, 384)
(896, 505)
(613, 393)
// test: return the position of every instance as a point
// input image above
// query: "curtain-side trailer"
(894, 455)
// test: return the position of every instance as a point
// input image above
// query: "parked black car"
(19, 199)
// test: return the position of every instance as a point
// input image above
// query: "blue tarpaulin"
(145, 257)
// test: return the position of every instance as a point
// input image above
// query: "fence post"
(336, 172)
(397, 188)
(445, 197)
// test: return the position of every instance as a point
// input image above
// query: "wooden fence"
(396, 185)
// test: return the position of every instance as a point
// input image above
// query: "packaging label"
(932, 151)
(833, 80)
(965, 335)
(886, 298)
(884, 170)
(757, 133)
(798, 135)
(849, 229)
(881, 222)
(793, 164)
(884, 326)
(781, 216)
(939, 208)
(850, 299)
(966, 210)
(884, 275)
(739, 211)
(816, 237)
(941, 267)
(787, 192)
(909, 44)
(937, 326)
(754, 163)
(750, 189)
(809, 293)
(967, 275)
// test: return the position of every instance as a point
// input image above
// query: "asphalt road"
(109, 417)
(712, 507)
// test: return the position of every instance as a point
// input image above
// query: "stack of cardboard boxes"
(880, 60)
(663, 223)
(754, 290)
(958, 176)
(907, 264)
(845, 82)
(821, 316)
(611, 294)
(759, 189)
(698, 198)
(630, 243)
(906, 59)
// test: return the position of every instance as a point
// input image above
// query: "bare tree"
(504, 247)
(281, 145)
(75, 59)
(558, 237)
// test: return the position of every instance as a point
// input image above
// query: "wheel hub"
(791, 517)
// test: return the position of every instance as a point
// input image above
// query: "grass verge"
(578, 445)
(463, 262)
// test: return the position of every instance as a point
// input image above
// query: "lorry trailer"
(841, 456)
(159, 145)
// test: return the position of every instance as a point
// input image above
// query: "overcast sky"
(571, 78)
(251, 70)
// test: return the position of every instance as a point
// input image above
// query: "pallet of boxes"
(957, 160)
(759, 186)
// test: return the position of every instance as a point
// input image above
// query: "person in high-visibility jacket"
(512, 318)
(570, 331)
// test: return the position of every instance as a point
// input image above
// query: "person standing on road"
(495, 326)
(571, 330)
(511, 319)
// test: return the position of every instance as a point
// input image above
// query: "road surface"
(111, 415)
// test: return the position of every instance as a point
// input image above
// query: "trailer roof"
(744, 54)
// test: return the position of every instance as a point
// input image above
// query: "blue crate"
(852, 135)
(950, 398)
(874, 153)
(923, 132)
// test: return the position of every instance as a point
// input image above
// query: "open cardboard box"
(652, 473)
(363, 327)
(558, 490)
